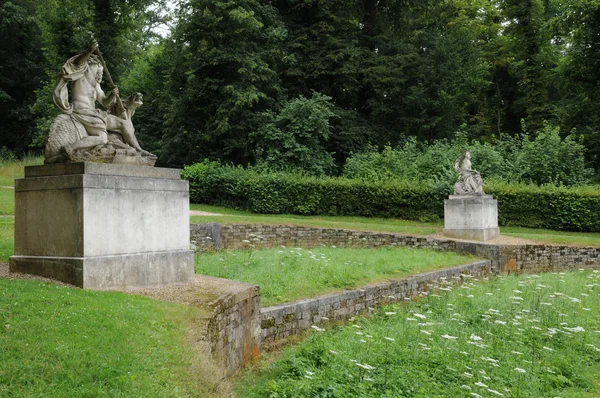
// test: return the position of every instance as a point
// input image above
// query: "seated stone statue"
(469, 181)
(82, 132)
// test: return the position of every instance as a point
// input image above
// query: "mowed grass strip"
(390, 225)
(60, 341)
(287, 274)
(525, 336)
(555, 237)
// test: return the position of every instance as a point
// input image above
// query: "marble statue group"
(470, 181)
(85, 133)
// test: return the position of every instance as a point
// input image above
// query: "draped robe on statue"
(85, 116)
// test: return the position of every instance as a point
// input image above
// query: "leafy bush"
(295, 137)
(565, 208)
(546, 159)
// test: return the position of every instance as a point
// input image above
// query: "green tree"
(226, 56)
(21, 68)
(119, 27)
(295, 137)
(579, 73)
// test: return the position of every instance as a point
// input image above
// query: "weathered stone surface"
(471, 217)
(287, 319)
(102, 169)
(84, 133)
(112, 272)
(103, 217)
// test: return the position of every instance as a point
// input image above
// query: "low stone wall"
(234, 326)
(504, 258)
(227, 322)
(216, 236)
(291, 318)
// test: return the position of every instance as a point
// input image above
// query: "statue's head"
(468, 154)
(134, 101)
(96, 67)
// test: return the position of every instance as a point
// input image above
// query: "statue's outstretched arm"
(83, 57)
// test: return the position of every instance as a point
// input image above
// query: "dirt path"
(203, 213)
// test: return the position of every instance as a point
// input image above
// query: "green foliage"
(525, 336)
(295, 137)
(21, 68)
(225, 56)
(545, 159)
(122, 28)
(562, 208)
(548, 206)
(548, 159)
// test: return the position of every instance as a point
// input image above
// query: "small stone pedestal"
(103, 226)
(471, 217)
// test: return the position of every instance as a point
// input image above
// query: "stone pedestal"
(103, 226)
(471, 217)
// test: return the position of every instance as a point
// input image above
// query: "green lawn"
(9, 171)
(525, 336)
(557, 237)
(347, 222)
(385, 225)
(67, 342)
(287, 274)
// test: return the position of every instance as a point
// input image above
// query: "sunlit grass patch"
(556, 237)
(287, 274)
(526, 336)
(58, 341)
(11, 170)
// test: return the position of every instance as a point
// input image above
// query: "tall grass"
(526, 336)
(287, 274)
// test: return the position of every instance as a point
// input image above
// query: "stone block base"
(471, 217)
(103, 226)
(482, 234)
(116, 272)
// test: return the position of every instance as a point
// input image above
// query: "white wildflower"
(475, 338)
(447, 336)
(480, 384)
(520, 370)
(577, 329)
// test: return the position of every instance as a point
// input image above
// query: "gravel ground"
(4, 273)
(501, 240)
(203, 213)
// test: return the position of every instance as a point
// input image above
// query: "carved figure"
(469, 181)
(82, 132)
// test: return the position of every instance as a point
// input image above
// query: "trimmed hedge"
(574, 208)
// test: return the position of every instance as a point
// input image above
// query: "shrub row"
(573, 208)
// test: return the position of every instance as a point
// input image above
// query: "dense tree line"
(303, 84)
